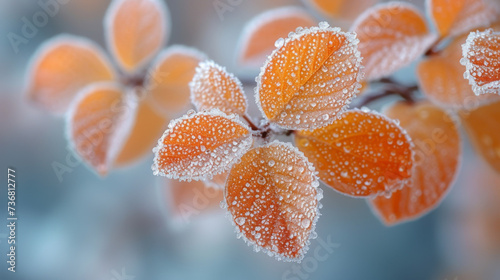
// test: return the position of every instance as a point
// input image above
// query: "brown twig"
(391, 87)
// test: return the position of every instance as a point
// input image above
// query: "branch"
(391, 88)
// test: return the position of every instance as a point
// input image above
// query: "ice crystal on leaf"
(360, 154)
(199, 146)
(213, 87)
(273, 198)
(310, 79)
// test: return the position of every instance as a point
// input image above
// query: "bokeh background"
(90, 228)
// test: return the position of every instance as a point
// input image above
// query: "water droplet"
(305, 223)
(261, 180)
(271, 163)
(240, 221)
(279, 43)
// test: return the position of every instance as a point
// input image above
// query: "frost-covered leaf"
(342, 9)
(481, 57)
(136, 30)
(148, 127)
(168, 81)
(391, 35)
(213, 87)
(361, 154)
(260, 33)
(199, 146)
(61, 67)
(441, 78)
(99, 122)
(310, 78)
(273, 198)
(481, 125)
(454, 17)
(437, 159)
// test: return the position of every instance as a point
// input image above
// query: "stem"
(391, 88)
(251, 123)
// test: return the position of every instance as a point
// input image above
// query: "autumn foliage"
(403, 160)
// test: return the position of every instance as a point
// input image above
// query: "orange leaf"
(454, 17)
(148, 127)
(441, 77)
(168, 81)
(310, 78)
(481, 57)
(136, 30)
(213, 87)
(199, 146)
(61, 67)
(99, 123)
(260, 33)
(186, 200)
(361, 154)
(273, 198)
(342, 9)
(437, 158)
(391, 36)
(482, 127)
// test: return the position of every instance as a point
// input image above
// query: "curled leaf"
(437, 159)
(213, 87)
(168, 81)
(442, 80)
(273, 198)
(260, 33)
(136, 30)
(61, 67)
(391, 36)
(199, 146)
(310, 78)
(360, 154)
(99, 122)
(481, 57)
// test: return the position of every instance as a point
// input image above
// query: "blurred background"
(127, 225)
